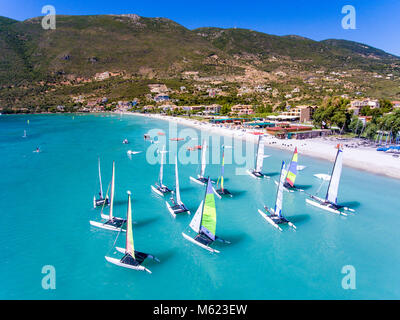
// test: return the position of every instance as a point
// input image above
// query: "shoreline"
(361, 158)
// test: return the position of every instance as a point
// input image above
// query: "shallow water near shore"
(46, 205)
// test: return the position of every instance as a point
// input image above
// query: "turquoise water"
(46, 205)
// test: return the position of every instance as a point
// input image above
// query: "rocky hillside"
(157, 48)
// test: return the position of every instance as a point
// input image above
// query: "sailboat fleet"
(275, 216)
(159, 187)
(259, 161)
(330, 202)
(201, 176)
(222, 191)
(176, 206)
(111, 223)
(101, 200)
(132, 259)
(204, 221)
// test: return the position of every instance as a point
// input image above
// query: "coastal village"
(285, 120)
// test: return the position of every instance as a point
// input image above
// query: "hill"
(140, 48)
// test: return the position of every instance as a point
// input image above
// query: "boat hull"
(197, 181)
(324, 207)
(170, 209)
(157, 191)
(122, 250)
(250, 173)
(190, 239)
(269, 220)
(105, 226)
(284, 188)
(100, 202)
(174, 213)
(117, 262)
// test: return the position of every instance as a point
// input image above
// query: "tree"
(385, 106)
(370, 130)
(333, 112)
(391, 123)
(225, 109)
(356, 125)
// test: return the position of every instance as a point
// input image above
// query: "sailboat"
(291, 174)
(178, 206)
(275, 216)
(159, 187)
(330, 201)
(24, 136)
(223, 191)
(101, 201)
(256, 172)
(132, 259)
(200, 177)
(204, 222)
(112, 223)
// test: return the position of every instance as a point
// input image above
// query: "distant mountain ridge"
(85, 45)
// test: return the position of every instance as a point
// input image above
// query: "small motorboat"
(195, 148)
(125, 141)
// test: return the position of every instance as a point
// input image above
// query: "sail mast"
(260, 155)
(112, 191)
(101, 185)
(222, 168)
(209, 215)
(279, 193)
(292, 170)
(129, 248)
(258, 146)
(203, 158)
(177, 191)
(160, 177)
(333, 188)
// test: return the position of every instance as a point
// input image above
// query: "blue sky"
(378, 21)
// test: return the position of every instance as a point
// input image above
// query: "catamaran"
(112, 223)
(256, 172)
(132, 259)
(101, 201)
(223, 191)
(330, 201)
(204, 222)
(177, 207)
(159, 187)
(291, 174)
(275, 216)
(200, 177)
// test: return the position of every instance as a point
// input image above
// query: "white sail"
(279, 196)
(112, 191)
(333, 188)
(196, 221)
(160, 178)
(260, 155)
(101, 185)
(203, 158)
(177, 192)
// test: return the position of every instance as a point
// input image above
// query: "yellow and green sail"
(129, 232)
(292, 171)
(209, 216)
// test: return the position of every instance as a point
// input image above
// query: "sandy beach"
(362, 158)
